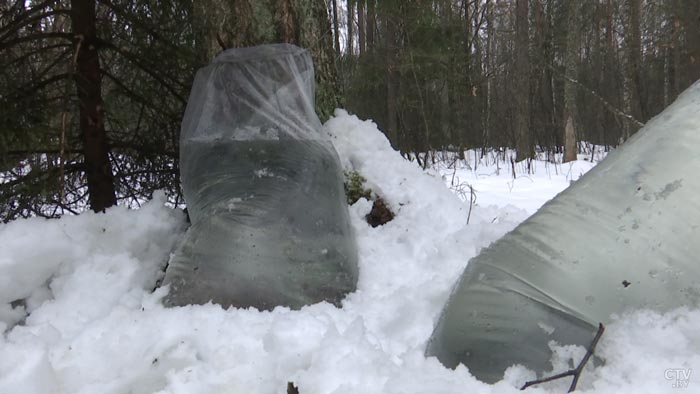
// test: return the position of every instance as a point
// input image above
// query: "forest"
(92, 92)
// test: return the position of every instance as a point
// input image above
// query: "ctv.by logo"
(679, 376)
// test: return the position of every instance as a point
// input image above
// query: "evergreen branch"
(26, 89)
(17, 24)
(32, 37)
(136, 62)
(29, 54)
(132, 94)
(142, 25)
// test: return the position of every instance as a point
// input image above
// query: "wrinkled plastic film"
(263, 188)
(623, 237)
(260, 90)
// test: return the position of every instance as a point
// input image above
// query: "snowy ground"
(487, 178)
(94, 326)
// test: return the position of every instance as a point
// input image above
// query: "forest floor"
(91, 323)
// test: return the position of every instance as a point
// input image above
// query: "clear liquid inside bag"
(263, 188)
(623, 237)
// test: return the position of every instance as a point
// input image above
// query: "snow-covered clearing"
(95, 326)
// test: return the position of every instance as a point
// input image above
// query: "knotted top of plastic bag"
(257, 93)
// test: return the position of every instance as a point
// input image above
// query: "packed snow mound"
(62, 261)
(95, 326)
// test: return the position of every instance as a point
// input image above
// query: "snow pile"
(94, 326)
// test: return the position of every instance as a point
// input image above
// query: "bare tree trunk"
(611, 89)
(570, 147)
(100, 180)
(318, 39)
(675, 43)
(633, 63)
(522, 82)
(547, 76)
(486, 134)
(361, 28)
(690, 15)
(351, 22)
(391, 95)
(371, 23)
(336, 28)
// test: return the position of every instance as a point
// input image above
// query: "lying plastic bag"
(263, 186)
(625, 236)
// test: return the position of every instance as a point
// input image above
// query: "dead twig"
(472, 198)
(576, 372)
(600, 98)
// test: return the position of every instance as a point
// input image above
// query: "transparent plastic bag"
(625, 236)
(263, 188)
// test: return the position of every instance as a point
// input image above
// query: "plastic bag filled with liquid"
(263, 187)
(623, 237)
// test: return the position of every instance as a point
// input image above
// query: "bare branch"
(605, 103)
(576, 372)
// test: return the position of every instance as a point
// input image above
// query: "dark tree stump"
(380, 214)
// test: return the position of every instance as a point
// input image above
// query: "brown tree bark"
(689, 11)
(522, 82)
(570, 147)
(351, 22)
(371, 24)
(391, 80)
(319, 41)
(100, 180)
(361, 28)
(284, 21)
(221, 23)
(633, 63)
(675, 47)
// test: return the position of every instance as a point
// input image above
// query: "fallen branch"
(576, 372)
(600, 98)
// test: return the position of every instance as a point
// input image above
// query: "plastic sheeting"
(625, 236)
(263, 188)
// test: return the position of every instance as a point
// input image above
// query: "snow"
(490, 176)
(95, 326)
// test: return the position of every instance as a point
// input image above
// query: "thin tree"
(571, 59)
(361, 26)
(391, 77)
(336, 28)
(522, 82)
(633, 49)
(371, 24)
(351, 22)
